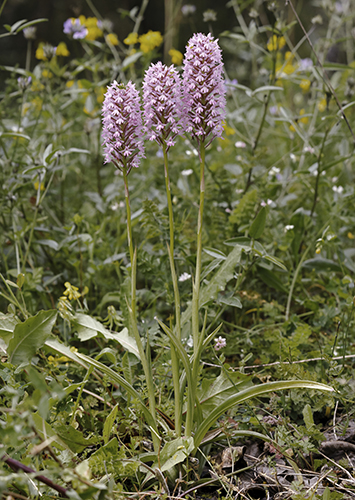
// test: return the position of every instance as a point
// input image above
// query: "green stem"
(295, 276)
(196, 283)
(174, 357)
(195, 296)
(130, 242)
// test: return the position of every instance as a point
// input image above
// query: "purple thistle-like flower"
(163, 105)
(122, 126)
(74, 28)
(204, 89)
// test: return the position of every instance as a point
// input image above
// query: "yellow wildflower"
(227, 129)
(100, 91)
(176, 57)
(62, 50)
(91, 24)
(112, 39)
(40, 53)
(150, 41)
(276, 43)
(305, 84)
(304, 119)
(69, 83)
(131, 39)
(47, 74)
(36, 186)
(350, 236)
(322, 105)
(71, 291)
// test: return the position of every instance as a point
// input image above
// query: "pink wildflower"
(163, 107)
(122, 126)
(204, 90)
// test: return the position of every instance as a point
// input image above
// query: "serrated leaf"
(308, 417)
(30, 336)
(258, 225)
(88, 327)
(109, 424)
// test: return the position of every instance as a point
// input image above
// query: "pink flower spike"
(204, 89)
(163, 106)
(122, 126)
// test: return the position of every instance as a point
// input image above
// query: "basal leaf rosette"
(163, 104)
(122, 126)
(204, 91)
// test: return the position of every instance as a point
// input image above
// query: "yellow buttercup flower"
(69, 84)
(276, 43)
(91, 24)
(176, 57)
(150, 41)
(112, 39)
(305, 84)
(62, 50)
(131, 39)
(47, 74)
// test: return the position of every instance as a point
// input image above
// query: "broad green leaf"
(49, 243)
(275, 261)
(174, 452)
(8, 323)
(250, 393)
(109, 424)
(308, 417)
(88, 327)
(320, 264)
(213, 392)
(258, 225)
(229, 301)
(218, 283)
(216, 254)
(30, 336)
(74, 439)
(271, 279)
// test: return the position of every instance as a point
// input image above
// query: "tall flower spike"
(204, 91)
(122, 126)
(163, 106)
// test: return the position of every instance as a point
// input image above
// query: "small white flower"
(185, 276)
(288, 227)
(334, 180)
(274, 171)
(293, 157)
(308, 149)
(190, 342)
(187, 172)
(240, 144)
(114, 206)
(338, 189)
(266, 203)
(220, 343)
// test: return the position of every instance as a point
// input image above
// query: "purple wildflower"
(74, 28)
(122, 126)
(23, 82)
(204, 90)
(220, 343)
(163, 106)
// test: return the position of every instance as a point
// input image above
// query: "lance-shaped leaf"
(30, 336)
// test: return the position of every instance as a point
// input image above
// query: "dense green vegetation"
(129, 365)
